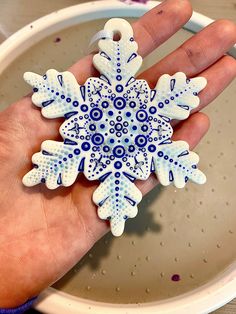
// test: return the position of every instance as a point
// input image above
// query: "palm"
(44, 233)
(46, 223)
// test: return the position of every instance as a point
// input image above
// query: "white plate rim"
(204, 299)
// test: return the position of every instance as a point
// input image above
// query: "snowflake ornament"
(116, 128)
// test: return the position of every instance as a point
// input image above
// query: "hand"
(43, 233)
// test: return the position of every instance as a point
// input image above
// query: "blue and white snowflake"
(116, 128)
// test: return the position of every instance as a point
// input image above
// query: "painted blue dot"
(110, 113)
(131, 148)
(102, 126)
(119, 77)
(160, 105)
(62, 96)
(68, 99)
(117, 164)
(144, 128)
(43, 180)
(134, 127)
(35, 89)
(167, 101)
(117, 182)
(151, 148)
(112, 140)
(117, 188)
(152, 110)
(75, 103)
(57, 93)
(117, 174)
(128, 114)
(76, 151)
(85, 146)
(65, 159)
(105, 104)
(106, 149)
(84, 108)
(70, 155)
(92, 127)
(118, 70)
(132, 104)
(118, 126)
(172, 98)
(126, 140)
(160, 154)
(119, 88)
(166, 157)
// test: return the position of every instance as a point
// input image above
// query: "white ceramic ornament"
(117, 129)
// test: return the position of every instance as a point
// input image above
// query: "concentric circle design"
(141, 140)
(141, 115)
(97, 139)
(119, 151)
(119, 103)
(96, 114)
(117, 124)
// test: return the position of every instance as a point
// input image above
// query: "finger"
(197, 53)
(150, 31)
(191, 130)
(160, 17)
(218, 76)
(160, 23)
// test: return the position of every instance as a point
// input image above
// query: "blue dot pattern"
(116, 128)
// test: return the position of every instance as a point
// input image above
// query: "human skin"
(43, 233)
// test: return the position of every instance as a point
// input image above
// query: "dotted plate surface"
(188, 236)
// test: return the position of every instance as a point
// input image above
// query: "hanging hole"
(116, 36)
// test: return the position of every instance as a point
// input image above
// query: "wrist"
(19, 309)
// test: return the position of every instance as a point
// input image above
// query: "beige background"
(16, 13)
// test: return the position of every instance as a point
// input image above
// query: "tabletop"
(22, 12)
